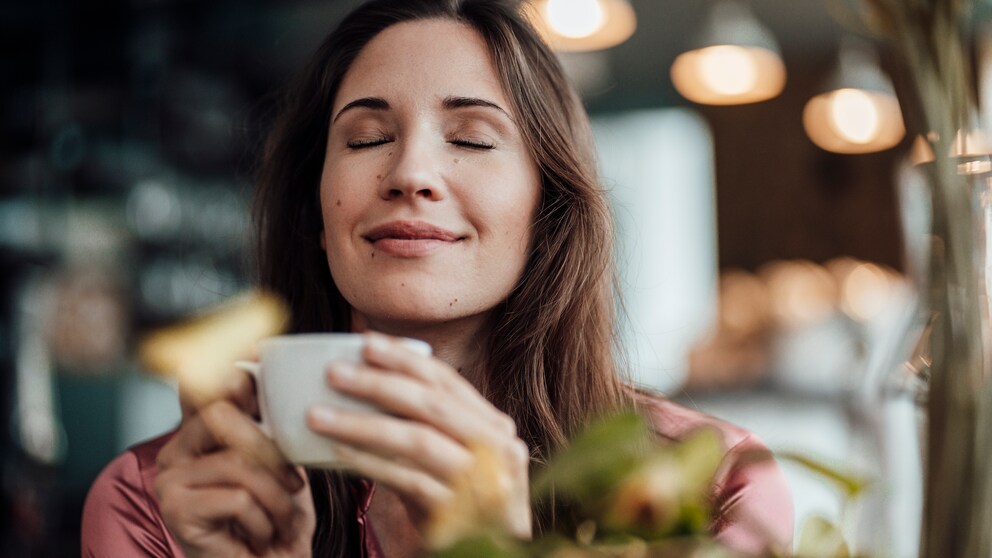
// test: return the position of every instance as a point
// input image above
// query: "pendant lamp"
(734, 61)
(858, 112)
(582, 25)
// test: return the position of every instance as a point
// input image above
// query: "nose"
(414, 171)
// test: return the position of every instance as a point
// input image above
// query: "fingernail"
(322, 415)
(343, 370)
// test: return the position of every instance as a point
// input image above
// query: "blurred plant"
(931, 40)
(819, 537)
(198, 353)
(636, 497)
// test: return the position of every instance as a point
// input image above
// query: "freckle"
(339, 203)
(378, 177)
(456, 161)
(402, 284)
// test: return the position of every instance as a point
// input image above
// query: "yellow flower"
(647, 500)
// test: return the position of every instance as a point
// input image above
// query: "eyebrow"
(449, 103)
(374, 103)
(452, 103)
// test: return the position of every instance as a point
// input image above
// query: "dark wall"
(779, 196)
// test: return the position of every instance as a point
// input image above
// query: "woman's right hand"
(224, 488)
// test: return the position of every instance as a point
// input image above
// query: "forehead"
(423, 61)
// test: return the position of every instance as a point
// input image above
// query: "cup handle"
(255, 369)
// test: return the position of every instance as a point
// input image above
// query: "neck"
(459, 343)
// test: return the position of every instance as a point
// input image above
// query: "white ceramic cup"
(290, 377)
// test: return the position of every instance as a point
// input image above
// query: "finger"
(237, 386)
(406, 397)
(204, 510)
(222, 425)
(390, 353)
(240, 389)
(233, 469)
(191, 440)
(232, 428)
(391, 438)
(422, 488)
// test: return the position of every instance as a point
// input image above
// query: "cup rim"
(418, 345)
(310, 337)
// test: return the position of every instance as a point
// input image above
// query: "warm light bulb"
(728, 75)
(854, 121)
(854, 116)
(575, 18)
(727, 69)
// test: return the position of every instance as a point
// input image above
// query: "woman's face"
(428, 191)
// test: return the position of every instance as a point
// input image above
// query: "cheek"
(511, 217)
(337, 201)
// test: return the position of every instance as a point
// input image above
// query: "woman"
(431, 176)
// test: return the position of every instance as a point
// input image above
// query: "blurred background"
(771, 223)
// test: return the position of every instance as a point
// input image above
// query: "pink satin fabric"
(753, 505)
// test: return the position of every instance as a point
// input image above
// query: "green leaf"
(852, 484)
(699, 457)
(596, 460)
(481, 547)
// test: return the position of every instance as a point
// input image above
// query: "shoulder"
(121, 516)
(674, 422)
(751, 499)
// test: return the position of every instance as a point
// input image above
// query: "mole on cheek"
(338, 203)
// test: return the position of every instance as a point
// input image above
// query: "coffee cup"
(290, 378)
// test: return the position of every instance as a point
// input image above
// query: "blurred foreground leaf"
(591, 466)
(668, 492)
(481, 547)
(478, 501)
(820, 538)
(200, 353)
(852, 485)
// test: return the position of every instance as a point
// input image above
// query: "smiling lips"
(410, 239)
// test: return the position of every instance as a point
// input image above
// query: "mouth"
(410, 238)
(411, 230)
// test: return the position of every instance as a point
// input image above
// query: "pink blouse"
(753, 515)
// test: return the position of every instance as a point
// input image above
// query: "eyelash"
(472, 144)
(375, 142)
(370, 142)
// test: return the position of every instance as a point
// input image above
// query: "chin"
(408, 304)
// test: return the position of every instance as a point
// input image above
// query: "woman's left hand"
(422, 444)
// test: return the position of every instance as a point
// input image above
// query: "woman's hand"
(224, 488)
(423, 446)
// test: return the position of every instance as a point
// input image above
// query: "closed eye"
(368, 142)
(471, 144)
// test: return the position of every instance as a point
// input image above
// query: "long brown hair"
(552, 361)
